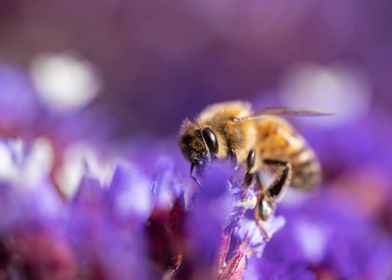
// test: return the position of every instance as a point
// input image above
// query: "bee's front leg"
(250, 163)
(247, 181)
(232, 157)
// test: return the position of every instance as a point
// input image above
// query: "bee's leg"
(248, 179)
(259, 182)
(266, 200)
(263, 231)
(263, 212)
(250, 163)
(251, 159)
(233, 158)
(282, 178)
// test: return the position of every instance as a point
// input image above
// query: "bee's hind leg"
(267, 198)
(281, 180)
(263, 231)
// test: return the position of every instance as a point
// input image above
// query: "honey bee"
(255, 140)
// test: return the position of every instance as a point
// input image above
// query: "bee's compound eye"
(210, 139)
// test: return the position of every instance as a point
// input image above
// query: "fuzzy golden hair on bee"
(191, 143)
(213, 134)
(200, 142)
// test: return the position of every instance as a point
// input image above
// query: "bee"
(255, 140)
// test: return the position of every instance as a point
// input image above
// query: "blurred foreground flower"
(133, 227)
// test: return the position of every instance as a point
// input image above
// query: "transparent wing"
(281, 112)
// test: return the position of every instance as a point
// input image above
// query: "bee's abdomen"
(306, 172)
(279, 141)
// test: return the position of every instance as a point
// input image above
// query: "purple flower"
(321, 236)
(106, 246)
(133, 226)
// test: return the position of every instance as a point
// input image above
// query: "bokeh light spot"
(341, 90)
(64, 82)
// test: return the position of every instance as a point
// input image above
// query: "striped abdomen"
(278, 140)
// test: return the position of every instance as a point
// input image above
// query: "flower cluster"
(132, 227)
(141, 225)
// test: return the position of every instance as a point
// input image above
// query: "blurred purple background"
(157, 62)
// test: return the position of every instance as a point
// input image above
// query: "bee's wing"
(281, 112)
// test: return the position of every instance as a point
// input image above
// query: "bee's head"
(200, 145)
